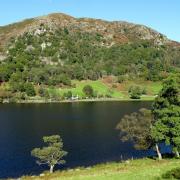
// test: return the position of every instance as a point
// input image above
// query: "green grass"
(98, 86)
(152, 88)
(102, 89)
(106, 89)
(143, 169)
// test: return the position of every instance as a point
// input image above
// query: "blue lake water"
(87, 129)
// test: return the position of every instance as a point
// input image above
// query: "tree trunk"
(51, 168)
(158, 152)
(177, 154)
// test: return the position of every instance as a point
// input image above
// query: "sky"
(161, 15)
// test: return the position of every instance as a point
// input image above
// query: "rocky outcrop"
(114, 32)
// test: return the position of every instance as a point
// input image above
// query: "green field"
(143, 169)
(99, 87)
(103, 89)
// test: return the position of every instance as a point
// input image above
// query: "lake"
(87, 129)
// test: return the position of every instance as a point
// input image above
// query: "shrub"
(172, 174)
(114, 86)
(120, 79)
(55, 96)
(100, 96)
(144, 91)
(20, 96)
(5, 95)
(135, 92)
(43, 92)
(108, 96)
(29, 89)
(88, 91)
(68, 94)
(64, 79)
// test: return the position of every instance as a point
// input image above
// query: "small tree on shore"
(136, 127)
(51, 154)
(135, 92)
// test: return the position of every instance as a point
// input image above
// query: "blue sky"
(162, 15)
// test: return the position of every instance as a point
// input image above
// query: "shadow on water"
(87, 129)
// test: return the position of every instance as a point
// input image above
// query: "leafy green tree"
(29, 89)
(16, 86)
(166, 111)
(51, 154)
(136, 127)
(88, 91)
(5, 73)
(155, 67)
(64, 79)
(135, 92)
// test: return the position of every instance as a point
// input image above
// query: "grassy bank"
(113, 90)
(143, 169)
(105, 90)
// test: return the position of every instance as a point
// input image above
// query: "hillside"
(115, 32)
(53, 50)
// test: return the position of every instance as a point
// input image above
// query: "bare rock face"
(114, 32)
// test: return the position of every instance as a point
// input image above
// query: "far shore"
(43, 101)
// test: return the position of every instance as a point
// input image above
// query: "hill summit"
(113, 32)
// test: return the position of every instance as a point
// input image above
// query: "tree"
(64, 79)
(136, 127)
(135, 92)
(29, 89)
(51, 154)
(88, 91)
(43, 92)
(166, 111)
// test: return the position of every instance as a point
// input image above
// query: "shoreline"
(43, 101)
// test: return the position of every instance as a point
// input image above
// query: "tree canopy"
(51, 154)
(166, 111)
(136, 127)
